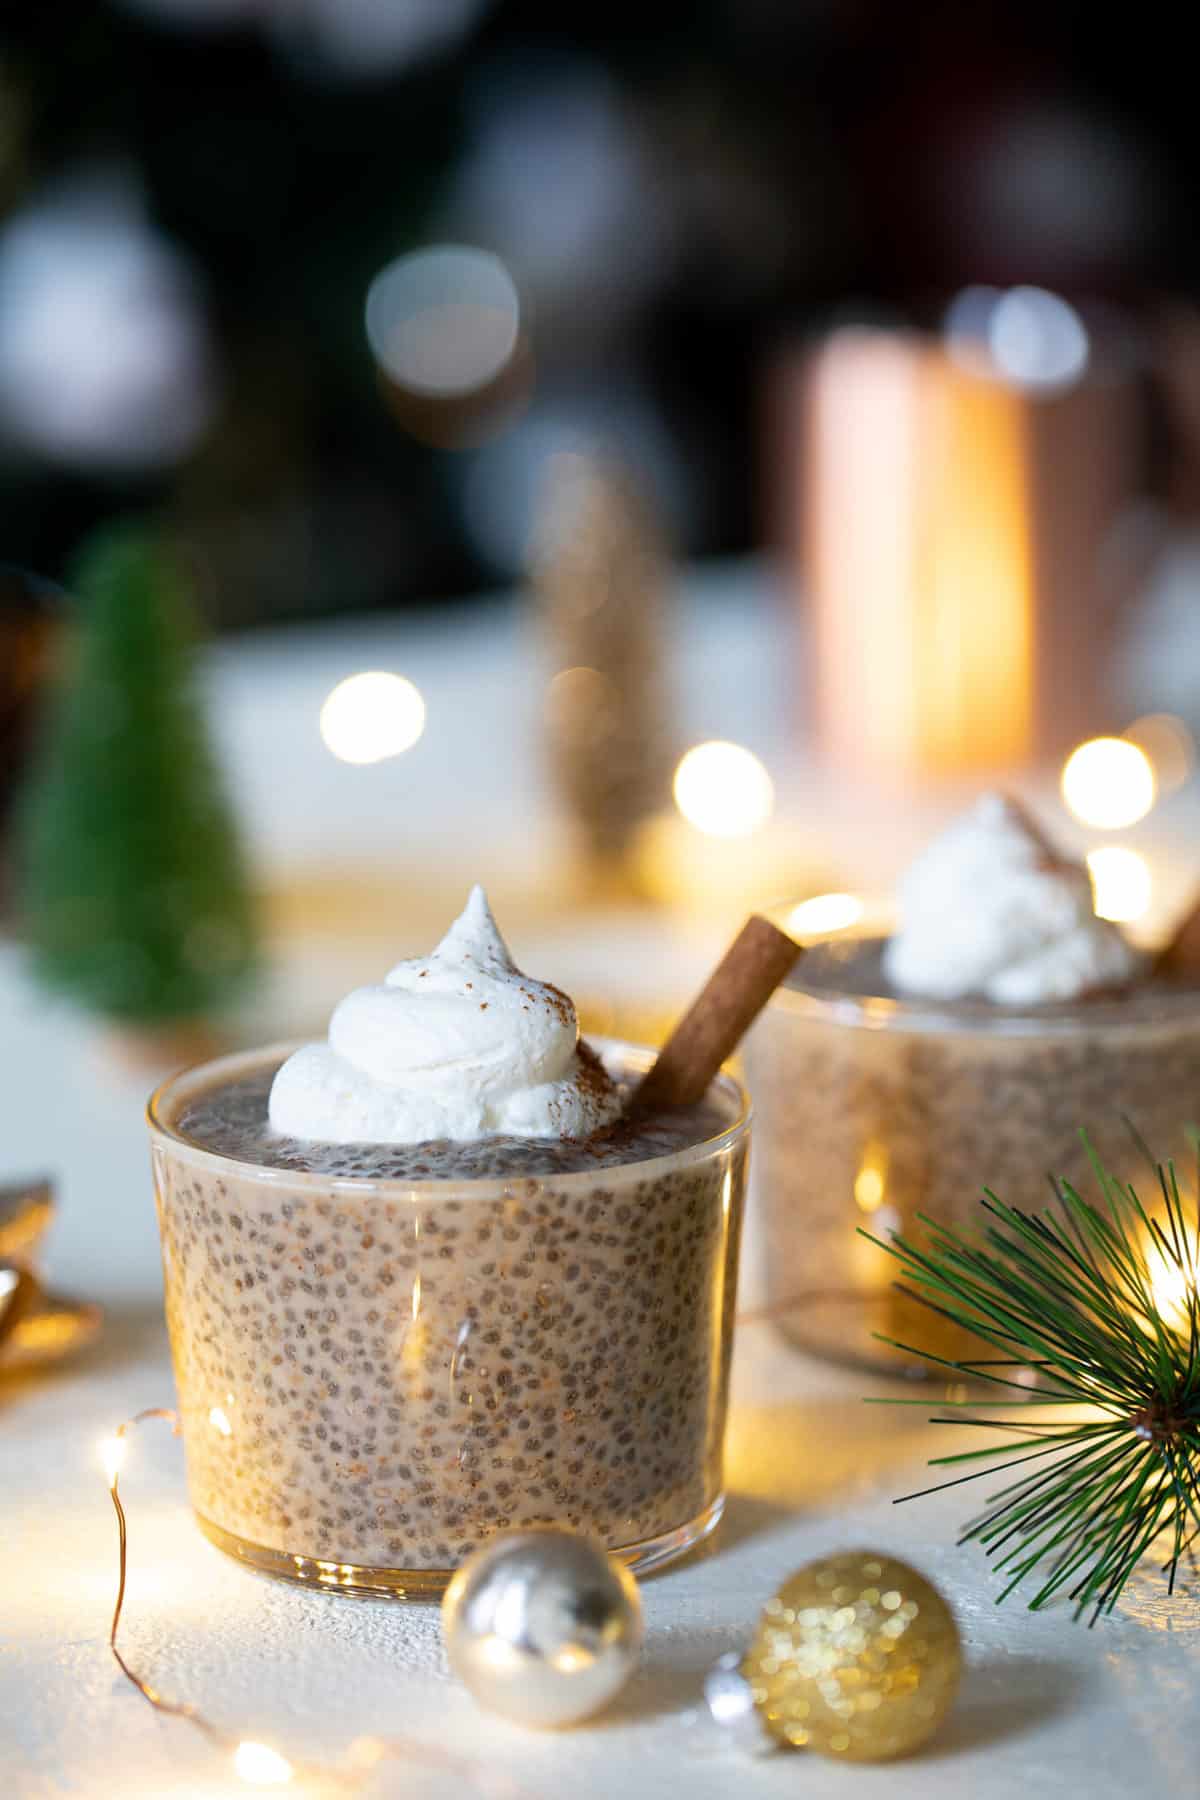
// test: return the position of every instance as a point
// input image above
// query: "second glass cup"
(376, 1375)
(872, 1110)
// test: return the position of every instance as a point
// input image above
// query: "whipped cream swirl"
(459, 1044)
(990, 909)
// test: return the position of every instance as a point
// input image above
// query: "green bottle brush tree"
(133, 888)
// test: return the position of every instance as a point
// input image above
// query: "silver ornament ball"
(543, 1627)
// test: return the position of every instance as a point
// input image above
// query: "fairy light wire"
(370, 1752)
(283, 1770)
(180, 1709)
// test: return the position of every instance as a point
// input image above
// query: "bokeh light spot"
(723, 790)
(1121, 884)
(870, 1182)
(1108, 783)
(371, 716)
(443, 322)
(261, 1766)
(112, 1456)
(1023, 335)
(1037, 339)
(825, 914)
(1169, 745)
(1172, 1284)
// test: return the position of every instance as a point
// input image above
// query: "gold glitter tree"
(600, 574)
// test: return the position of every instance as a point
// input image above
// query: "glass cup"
(376, 1375)
(870, 1110)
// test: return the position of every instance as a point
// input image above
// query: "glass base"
(368, 1583)
(841, 1328)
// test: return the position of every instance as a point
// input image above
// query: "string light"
(723, 790)
(367, 718)
(1121, 883)
(1173, 1288)
(1109, 783)
(259, 1765)
(112, 1455)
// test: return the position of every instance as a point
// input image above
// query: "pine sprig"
(1092, 1306)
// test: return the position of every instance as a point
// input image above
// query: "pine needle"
(1091, 1305)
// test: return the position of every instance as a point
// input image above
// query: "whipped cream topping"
(989, 909)
(458, 1044)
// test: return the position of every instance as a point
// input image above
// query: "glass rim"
(638, 1057)
(967, 1017)
(980, 1018)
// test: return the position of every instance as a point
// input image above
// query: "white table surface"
(1047, 1708)
(472, 796)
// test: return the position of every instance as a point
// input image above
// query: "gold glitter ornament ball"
(857, 1656)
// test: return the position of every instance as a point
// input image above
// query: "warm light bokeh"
(1121, 883)
(112, 1456)
(1109, 783)
(824, 914)
(723, 790)
(1171, 1286)
(1169, 745)
(870, 1184)
(261, 1766)
(371, 716)
(918, 559)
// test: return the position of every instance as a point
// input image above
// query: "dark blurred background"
(196, 197)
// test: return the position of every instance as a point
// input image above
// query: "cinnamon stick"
(739, 987)
(1032, 828)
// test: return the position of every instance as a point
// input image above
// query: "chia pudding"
(875, 1103)
(386, 1352)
